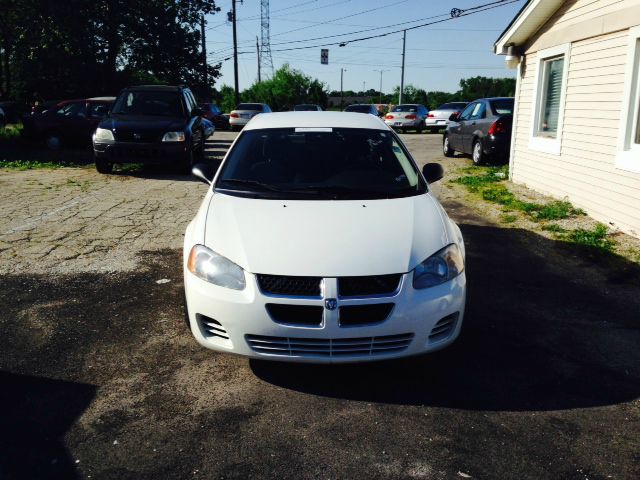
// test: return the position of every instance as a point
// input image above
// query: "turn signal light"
(430, 115)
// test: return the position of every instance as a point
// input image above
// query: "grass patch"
(10, 131)
(486, 182)
(596, 238)
(552, 227)
(508, 218)
(32, 164)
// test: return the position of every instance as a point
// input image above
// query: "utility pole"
(404, 41)
(342, 70)
(235, 51)
(205, 86)
(381, 72)
(258, 52)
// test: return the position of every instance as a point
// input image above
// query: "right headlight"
(440, 267)
(103, 135)
(213, 268)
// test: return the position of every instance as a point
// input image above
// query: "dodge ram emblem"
(331, 303)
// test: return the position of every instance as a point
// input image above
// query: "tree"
(411, 94)
(84, 48)
(287, 88)
(480, 87)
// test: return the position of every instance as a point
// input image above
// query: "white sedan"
(244, 112)
(319, 240)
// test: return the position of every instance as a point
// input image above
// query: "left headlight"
(213, 268)
(103, 135)
(440, 267)
(173, 137)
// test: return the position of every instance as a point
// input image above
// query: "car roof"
(493, 98)
(102, 99)
(164, 88)
(315, 120)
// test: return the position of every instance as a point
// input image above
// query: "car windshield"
(250, 106)
(358, 108)
(152, 102)
(406, 108)
(317, 164)
(305, 108)
(452, 106)
(502, 107)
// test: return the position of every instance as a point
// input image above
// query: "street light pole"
(235, 52)
(342, 70)
(381, 72)
(404, 41)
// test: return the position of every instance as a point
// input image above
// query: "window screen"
(552, 90)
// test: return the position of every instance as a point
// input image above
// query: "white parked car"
(407, 117)
(244, 112)
(319, 240)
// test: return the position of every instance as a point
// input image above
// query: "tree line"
(74, 48)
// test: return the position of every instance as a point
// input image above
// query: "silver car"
(407, 117)
(439, 118)
(244, 112)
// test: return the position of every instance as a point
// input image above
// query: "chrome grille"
(369, 285)
(292, 286)
(332, 347)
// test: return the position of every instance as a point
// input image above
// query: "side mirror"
(203, 172)
(432, 172)
(454, 117)
(197, 112)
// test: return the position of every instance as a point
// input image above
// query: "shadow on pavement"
(544, 330)
(36, 414)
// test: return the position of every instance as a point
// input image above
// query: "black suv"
(150, 124)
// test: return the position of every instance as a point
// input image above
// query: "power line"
(467, 12)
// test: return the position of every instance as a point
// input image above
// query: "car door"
(471, 125)
(455, 128)
(195, 122)
(70, 120)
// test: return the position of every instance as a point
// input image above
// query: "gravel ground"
(99, 377)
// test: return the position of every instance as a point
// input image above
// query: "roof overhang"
(526, 23)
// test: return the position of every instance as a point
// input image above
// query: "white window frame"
(538, 142)
(628, 154)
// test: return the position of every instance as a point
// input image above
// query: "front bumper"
(147, 153)
(238, 322)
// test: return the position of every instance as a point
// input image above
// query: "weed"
(31, 164)
(557, 210)
(554, 228)
(10, 131)
(596, 238)
(508, 218)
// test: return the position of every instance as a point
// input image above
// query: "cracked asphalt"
(100, 379)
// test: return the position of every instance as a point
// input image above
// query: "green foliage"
(225, 98)
(31, 165)
(287, 88)
(508, 218)
(10, 132)
(76, 48)
(479, 87)
(486, 176)
(557, 210)
(596, 238)
(554, 228)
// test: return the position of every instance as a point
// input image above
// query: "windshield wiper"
(253, 183)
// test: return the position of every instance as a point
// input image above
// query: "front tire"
(477, 154)
(102, 166)
(446, 147)
(53, 141)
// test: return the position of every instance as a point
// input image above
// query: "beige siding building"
(577, 119)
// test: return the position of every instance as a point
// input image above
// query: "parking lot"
(100, 378)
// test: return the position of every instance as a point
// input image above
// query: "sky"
(438, 56)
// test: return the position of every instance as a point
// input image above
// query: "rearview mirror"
(203, 172)
(432, 172)
(454, 117)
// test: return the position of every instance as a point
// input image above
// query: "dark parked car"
(68, 121)
(213, 113)
(307, 107)
(13, 111)
(482, 129)
(150, 124)
(362, 108)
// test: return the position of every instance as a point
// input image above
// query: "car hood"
(142, 123)
(325, 238)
